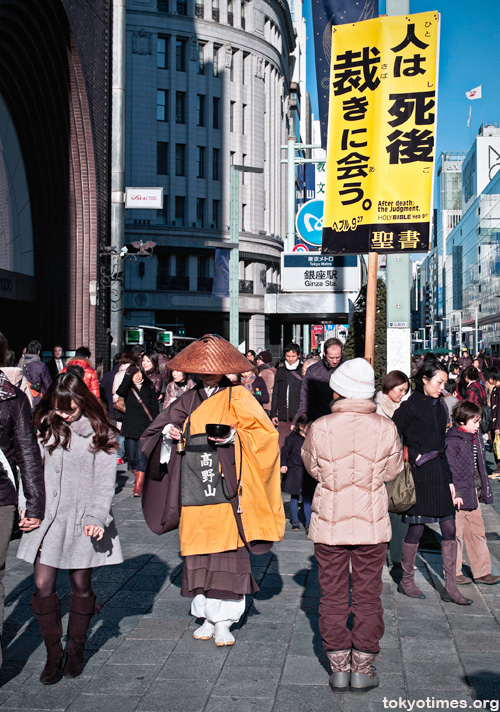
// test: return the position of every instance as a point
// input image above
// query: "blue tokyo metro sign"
(309, 222)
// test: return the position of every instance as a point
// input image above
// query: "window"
(216, 112)
(243, 212)
(231, 115)
(180, 208)
(200, 212)
(162, 215)
(204, 279)
(162, 158)
(180, 54)
(182, 7)
(201, 57)
(200, 161)
(180, 107)
(215, 10)
(162, 52)
(230, 14)
(161, 105)
(180, 159)
(215, 62)
(244, 66)
(231, 68)
(216, 164)
(200, 110)
(243, 118)
(243, 21)
(216, 214)
(162, 5)
(243, 161)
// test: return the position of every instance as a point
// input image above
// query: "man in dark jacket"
(18, 449)
(286, 392)
(57, 362)
(316, 395)
(35, 371)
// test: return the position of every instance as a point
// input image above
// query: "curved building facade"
(208, 85)
(54, 171)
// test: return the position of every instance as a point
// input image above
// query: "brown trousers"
(366, 607)
(470, 528)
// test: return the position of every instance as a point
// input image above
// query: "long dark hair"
(64, 389)
(428, 370)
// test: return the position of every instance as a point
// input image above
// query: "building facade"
(208, 86)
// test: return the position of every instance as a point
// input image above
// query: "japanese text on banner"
(383, 103)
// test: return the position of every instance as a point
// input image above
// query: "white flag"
(470, 112)
(474, 93)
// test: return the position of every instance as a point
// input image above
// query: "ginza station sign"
(314, 272)
(381, 132)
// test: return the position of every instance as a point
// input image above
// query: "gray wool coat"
(79, 488)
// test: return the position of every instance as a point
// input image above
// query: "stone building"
(208, 85)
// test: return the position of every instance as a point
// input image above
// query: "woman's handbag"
(119, 405)
(401, 491)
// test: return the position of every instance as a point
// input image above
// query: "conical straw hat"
(210, 354)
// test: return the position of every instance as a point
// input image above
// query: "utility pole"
(398, 275)
(117, 175)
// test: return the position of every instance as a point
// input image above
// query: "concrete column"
(257, 332)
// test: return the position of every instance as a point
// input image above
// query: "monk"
(228, 496)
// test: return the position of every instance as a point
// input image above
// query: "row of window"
(181, 49)
(181, 8)
(179, 217)
(162, 167)
(201, 110)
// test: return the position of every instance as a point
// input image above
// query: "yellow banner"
(381, 132)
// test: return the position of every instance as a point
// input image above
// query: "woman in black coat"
(421, 422)
(142, 407)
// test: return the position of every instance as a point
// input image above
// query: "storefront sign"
(144, 198)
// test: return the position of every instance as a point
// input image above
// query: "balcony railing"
(242, 23)
(272, 288)
(215, 14)
(198, 10)
(162, 5)
(230, 18)
(172, 283)
(246, 286)
(181, 7)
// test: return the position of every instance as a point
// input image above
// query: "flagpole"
(470, 123)
(482, 109)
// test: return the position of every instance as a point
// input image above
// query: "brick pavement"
(142, 656)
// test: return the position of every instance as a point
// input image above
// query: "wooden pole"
(371, 307)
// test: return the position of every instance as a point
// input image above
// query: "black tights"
(45, 580)
(415, 531)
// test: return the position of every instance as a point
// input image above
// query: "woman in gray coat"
(77, 533)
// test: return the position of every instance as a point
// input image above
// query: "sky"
(469, 56)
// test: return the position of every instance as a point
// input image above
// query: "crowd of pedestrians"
(212, 428)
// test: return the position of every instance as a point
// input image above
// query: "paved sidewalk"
(142, 655)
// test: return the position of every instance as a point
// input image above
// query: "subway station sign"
(381, 134)
(314, 272)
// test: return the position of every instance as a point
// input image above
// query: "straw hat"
(210, 354)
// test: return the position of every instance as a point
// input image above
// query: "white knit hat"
(354, 379)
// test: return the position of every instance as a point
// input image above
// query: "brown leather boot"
(363, 675)
(139, 481)
(449, 556)
(81, 610)
(407, 584)
(48, 612)
(340, 664)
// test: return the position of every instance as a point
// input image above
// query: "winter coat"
(90, 377)
(460, 456)
(16, 377)
(422, 426)
(464, 362)
(268, 375)
(257, 387)
(174, 390)
(156, 380)
(296, 479)
(385, 406)
(20, 449)
(287, 381)
(476, 393)
(106, 389)
(135, 419)
(79, 486)
(36, 372)
(352, 452)
(316, 395)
